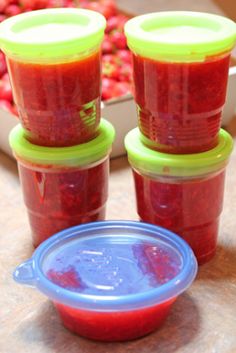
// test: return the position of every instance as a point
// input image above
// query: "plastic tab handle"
(24, 273)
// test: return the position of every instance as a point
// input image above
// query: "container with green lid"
(63, 186)
(52, 35)
(183, 36)
(54, 62)
(180, 70)
(183, 193)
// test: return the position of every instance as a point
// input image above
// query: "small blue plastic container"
(111, 280)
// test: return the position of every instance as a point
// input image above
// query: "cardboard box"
(228, 7)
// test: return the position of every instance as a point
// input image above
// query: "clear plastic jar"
(63, 186)
(54, 62)
(180, 70)
(183, 193)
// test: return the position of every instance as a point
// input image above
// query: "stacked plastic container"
(62, 146)
(179, 153)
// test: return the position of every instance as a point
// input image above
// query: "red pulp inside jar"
(190, 208)
(58, 103)
(115, 268)
(114, 326)
(179, 104)
(61, 198)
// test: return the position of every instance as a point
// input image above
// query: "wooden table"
(203, 319)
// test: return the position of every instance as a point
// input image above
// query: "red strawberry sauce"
(190, 208)
(60, 198)
(179, 104)
(85, 270)
(58, 103)
(114, 326)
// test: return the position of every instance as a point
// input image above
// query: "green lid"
(151, 162)
(74, 156)
(51, 34)
(180, 35)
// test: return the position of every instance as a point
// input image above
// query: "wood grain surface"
(203, 320)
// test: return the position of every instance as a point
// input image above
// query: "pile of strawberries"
(116, 58)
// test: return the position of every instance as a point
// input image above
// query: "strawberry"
(12, 10)
(3, 65)
(5, 88)
(124, 55)
(118, 39)
(5, 105)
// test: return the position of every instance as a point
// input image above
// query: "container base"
(114, 326)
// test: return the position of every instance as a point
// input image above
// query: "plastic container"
(63, 186)
(183, 193)
(53, 59)
(180, 70)
(111, 281)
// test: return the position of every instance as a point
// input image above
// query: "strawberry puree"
(190, 208)
(180, 104)
(58, 104)
(60, 198)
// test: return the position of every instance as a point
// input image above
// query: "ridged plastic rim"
(147, 35)
(15, 43)
(149, 161)
(77, 155)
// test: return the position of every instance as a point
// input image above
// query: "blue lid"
(110, 265)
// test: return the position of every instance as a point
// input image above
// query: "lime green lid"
(51, 34)
(150, 162)
(180, 35)
(74, 156)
